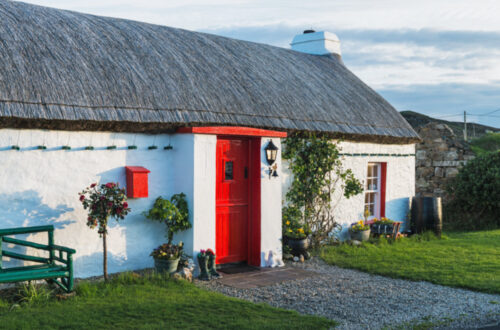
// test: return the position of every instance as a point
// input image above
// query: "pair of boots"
(207, 268)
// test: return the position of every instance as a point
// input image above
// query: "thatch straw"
(61, 69)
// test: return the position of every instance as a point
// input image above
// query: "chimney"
(317, 43)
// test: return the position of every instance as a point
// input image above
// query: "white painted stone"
(400, 185)
(317, 43)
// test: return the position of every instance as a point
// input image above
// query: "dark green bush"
(474, 195)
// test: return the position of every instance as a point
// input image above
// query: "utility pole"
(465, 125)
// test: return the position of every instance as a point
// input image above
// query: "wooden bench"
(56, 268)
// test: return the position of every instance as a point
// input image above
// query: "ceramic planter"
(361, 236)
(298, 246)
(168, 266)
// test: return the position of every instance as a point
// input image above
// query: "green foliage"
(32, 294)
(104, 201)
(486, 143)
(359, 226)
(466, 260)
(174, 213)
(317, 171)
(132, 301)
(168, 251)
(474, 195)
(293, 227)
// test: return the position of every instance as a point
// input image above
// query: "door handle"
(246, 172)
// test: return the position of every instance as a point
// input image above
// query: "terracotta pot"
(168, 266)
(361, 236)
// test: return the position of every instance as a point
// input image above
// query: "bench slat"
(19, 270)
(25, 230)
(13, 269)
(28, 276)
(25, 243)
(24, 257)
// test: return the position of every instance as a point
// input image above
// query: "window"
(375, 189)
(228, 171)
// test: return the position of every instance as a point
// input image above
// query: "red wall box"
(137, 181)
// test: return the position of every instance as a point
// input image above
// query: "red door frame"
(254, 136)
(254, 206)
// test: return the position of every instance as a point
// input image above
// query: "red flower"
(125, 204)
(211, 252)
(110, 204)
(82, 197)
(93, 185)
(119, 210)
(110, 185)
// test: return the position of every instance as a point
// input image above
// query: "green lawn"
(137, 303)
(468, 260)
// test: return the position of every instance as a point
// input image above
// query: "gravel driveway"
(362, 301)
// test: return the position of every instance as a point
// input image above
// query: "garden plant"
(102, 202)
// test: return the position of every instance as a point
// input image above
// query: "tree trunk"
(105, 256)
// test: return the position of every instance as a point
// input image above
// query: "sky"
(437, 57)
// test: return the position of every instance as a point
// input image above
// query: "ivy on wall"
(317, 171)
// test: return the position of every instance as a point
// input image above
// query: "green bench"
(56, 268)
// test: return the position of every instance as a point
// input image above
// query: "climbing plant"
(317, 173)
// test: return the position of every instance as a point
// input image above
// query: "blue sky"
(438, 57)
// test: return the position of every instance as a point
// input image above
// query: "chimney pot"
(317, 43)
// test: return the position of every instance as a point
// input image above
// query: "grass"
(133, 302)
(487, 143)
(466, 260)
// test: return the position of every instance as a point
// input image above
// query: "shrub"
(474, 195)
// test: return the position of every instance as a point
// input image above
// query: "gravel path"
(362, 301)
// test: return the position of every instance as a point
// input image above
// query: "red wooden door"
(232, 200)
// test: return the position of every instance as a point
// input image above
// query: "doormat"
(236, 269)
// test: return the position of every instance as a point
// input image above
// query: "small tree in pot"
(295, 231)
(174, 214)
(104, 201)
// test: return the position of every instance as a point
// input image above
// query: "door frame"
(254, 207)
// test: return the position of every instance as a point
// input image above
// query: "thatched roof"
(66, 70)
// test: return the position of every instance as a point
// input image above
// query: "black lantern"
(271, 153)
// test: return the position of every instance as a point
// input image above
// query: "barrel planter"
(166, 266)
(426, 214)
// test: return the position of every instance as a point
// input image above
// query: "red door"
(232, 200)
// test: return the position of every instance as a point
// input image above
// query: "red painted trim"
(383, 179)
(232, 130)
(254, 237)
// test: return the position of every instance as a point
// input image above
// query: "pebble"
(362, 301)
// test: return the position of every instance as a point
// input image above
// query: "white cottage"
(83, 97)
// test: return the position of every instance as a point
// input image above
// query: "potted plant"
(167, 257)
(359, 231)
(295, 233)
(203, 264)
(174, 214)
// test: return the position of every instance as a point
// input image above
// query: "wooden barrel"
(426, 214)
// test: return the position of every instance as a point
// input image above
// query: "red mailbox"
(137, 181)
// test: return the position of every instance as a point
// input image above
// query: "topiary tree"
(104, 201)
(317, 172)
(474, 194)
(174, 213)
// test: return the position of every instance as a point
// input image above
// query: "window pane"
(228, 171)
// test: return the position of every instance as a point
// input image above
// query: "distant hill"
(417, 120)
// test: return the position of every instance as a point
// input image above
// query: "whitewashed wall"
(271, 196)
(400, 184)
(39, 187)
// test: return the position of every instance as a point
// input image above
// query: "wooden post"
(465, 125)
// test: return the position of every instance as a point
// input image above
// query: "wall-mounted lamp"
(271, 155)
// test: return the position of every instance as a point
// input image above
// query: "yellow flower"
(289, 230)
(301, 230)
(287, 223)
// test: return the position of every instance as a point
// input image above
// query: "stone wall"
(438, 158)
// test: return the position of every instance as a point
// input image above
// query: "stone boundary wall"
(438, 158)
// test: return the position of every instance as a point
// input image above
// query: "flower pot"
(361, 236)
(298, 246)
(168, 266)
(204, 273)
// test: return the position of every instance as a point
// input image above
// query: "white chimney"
(316, 43)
